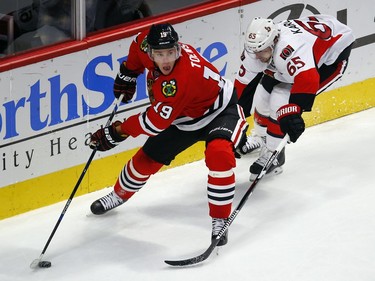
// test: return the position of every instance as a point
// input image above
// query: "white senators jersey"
(304, 45)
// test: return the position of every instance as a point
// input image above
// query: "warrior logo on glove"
(291, 122)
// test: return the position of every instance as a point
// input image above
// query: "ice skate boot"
(252, 143)
(106, 203)
(274, 169)
(217, 225)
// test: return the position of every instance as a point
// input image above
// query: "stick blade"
(197, 259)
(38, 263)
(187, 262)
(34, 264)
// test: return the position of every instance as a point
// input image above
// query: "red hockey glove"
(106, 138)
(125, 83)
(291, 122)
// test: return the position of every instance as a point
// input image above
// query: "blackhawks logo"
(144, 45)
(169, 89)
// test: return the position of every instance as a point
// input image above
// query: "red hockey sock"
(135, 174)
(220, 161)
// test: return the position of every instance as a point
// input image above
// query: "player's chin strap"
(207, 253)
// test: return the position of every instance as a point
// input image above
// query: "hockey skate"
(253, 143)
(106, 203)
(217, 225)
(274, 169)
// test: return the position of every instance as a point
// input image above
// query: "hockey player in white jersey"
(287, 65)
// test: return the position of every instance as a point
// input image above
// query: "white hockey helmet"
(260, 34)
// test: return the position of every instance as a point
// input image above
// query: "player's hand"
(107, 138)
(291, 122)
(125, 83)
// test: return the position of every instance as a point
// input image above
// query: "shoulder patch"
(169, 88)
(286, 52)
(144, 45)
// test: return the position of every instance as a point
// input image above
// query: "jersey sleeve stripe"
(221, 102)
(147, 126)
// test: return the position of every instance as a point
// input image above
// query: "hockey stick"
(200, 258)
(43, 264)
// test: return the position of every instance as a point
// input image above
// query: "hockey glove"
(291, 122)
(125, 83)
(106, 138)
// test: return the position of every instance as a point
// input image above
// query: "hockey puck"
(44, 264)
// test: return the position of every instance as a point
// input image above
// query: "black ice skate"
(274, 169)
(250, 144)
(106, 203)
(253, 143)
(217, 225)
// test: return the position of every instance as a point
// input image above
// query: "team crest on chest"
(169, 88)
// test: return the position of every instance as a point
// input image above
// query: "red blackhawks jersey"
(190, 97)
(304, 45)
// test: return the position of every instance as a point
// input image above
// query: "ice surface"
(315, 221)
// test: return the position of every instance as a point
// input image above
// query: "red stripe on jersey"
(338, 72)
(323, 34)
(260, 119)
(240, 127)
(306, 82)
(321, 46)
(239, 87)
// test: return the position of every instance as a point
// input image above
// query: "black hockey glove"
(291, 122)
(125, 83)
(106, 138)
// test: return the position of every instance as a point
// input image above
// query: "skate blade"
(219, 250)
(276, 171)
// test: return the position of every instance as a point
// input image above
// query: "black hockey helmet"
(162, 36)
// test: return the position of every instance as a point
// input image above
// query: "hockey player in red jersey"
(287, 65)
(190, 102)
